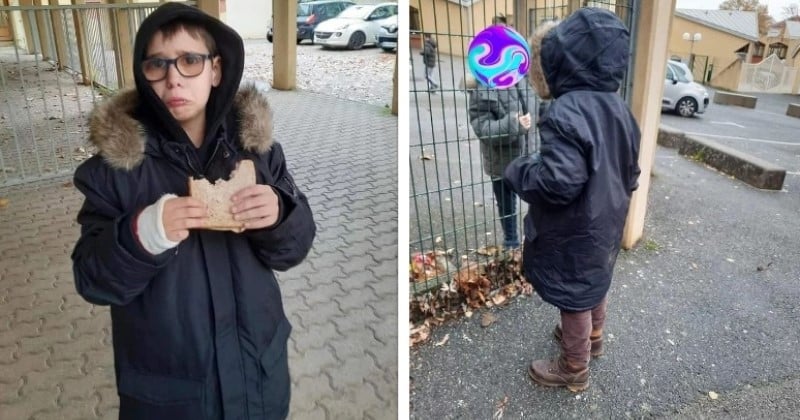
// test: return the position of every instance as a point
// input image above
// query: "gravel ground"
(364, 75)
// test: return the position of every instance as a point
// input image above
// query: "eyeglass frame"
(174, 62)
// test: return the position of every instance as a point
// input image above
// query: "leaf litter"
(494, 282)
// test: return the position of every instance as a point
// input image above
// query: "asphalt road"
(766, 131)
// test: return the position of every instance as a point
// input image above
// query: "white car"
(356, 26)
(681, 93)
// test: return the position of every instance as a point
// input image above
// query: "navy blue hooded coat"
(199, 331)
(579, 186)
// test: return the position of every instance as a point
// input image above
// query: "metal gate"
(771, 75)
(454, 218)
(58, 64)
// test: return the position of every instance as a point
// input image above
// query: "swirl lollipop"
(498, 57)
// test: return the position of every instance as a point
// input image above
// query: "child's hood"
(229, 46)
(589, 50)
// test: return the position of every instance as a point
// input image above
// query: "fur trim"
(536, 72)
(121, 139)
(117, 135)
(255, 119)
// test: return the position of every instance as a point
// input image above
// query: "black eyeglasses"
(188, 65)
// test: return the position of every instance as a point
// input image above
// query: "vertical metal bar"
(48, 118)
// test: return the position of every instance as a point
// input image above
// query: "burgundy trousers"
(576, 329)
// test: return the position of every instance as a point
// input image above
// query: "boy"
(429, 57)
(199, 330)
(580, 185)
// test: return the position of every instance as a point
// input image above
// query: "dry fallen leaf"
(3, 202)
(427, 156)
(487, 319)
(713, 395)
(488, 250)
(501, 408)
(498, 299)
(419, 334)
(443, 341)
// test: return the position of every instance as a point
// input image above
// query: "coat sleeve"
(109, 265)
(288, 241)
(491, 121)
(555, 176)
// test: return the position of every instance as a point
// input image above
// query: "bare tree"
(792, 10)
(764, 19)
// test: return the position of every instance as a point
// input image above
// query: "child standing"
(199, 330)
(430, 57)
(579, 186)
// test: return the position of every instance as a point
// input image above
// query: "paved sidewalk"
(55, 348)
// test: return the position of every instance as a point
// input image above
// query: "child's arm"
(287, 242)
(490, 122)
(109, 265)
(557, 175)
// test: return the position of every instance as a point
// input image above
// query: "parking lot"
(766, 131)
(363, 75)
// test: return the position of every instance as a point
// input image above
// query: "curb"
(747, 168)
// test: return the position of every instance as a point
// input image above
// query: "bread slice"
(218, 196)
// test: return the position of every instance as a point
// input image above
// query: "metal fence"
(60, 61)
(454, 218)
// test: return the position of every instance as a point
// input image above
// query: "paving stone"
(316, 336)
(323, 359)
(307, 390)
(31, 404)
(352, 372)
(73, 409)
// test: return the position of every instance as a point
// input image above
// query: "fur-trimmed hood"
(122, 140)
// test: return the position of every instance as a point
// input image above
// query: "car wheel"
(386, 49)
(686, 107)
(299, 40)
(269, 38)
(357, 41)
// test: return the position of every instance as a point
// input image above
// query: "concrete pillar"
(60, 35)
(654, 27)
(42, 29)
(80, 39)
(284, 44)
(122, 35)
(212, 7)
(394, 88)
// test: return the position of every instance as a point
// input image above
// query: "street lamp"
(692, 38)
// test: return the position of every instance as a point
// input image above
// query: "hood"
(121, 138)
(229, 46)
(589, 50)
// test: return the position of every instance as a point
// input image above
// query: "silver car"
(681, 93)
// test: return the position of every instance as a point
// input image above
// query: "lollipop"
(498, 57)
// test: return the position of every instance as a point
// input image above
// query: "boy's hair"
(193, 29)
(499, 19)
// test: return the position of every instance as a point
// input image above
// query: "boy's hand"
(257, 205)
(182, 214)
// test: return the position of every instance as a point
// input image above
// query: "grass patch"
(651, 245)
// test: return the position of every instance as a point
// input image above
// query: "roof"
(738, 23)
(792, 29)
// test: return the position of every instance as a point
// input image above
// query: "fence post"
(41, 28)
(123, 47)
(394, 89)
(80, 38)
(284, 44)
(27, 28)
(652, 37)
(59, 33)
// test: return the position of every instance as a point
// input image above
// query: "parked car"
(387, 37)
(356, 26)
(681, 93)
(310, 14)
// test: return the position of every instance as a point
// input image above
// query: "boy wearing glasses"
(198, 326)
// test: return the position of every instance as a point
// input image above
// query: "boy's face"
(185, 97)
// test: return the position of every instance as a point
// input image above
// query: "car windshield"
(357, 12)
(683, 73)
(304, 9)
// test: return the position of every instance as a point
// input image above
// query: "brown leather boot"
(597, 342)
(558, 373)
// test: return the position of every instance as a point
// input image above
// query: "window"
(670, 73)
(778, 49)
(413, 20)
